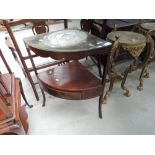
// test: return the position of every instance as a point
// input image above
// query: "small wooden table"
(133, 43)
(71, 80)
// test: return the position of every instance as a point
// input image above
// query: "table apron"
(72, 55)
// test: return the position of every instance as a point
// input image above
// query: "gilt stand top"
(148, 26)
(133, 42)
(127, 37)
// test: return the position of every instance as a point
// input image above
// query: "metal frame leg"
(23, 94)
(141, 78)
(127, 92)
(109, 90)
(44, 97)
(100, 106)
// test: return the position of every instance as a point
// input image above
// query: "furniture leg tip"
(104, 102)
(100, 116)
(30, 106)
(146, 76)
(140, 88)
(127, 94)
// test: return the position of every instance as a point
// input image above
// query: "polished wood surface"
(24, 118)
(13, 116)
(68, 40)
(71, 81)
(67, 44)
(13, 123)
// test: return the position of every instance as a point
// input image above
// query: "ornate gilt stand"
(133, 43)
(149, 28)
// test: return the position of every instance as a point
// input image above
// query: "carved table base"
(135, 50)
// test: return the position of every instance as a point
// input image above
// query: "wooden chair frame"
(38, 24)
(20, 83)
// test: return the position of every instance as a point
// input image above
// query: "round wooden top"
(148, 26)
(127, 37)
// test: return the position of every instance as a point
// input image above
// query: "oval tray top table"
(71, 80)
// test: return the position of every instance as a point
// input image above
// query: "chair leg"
(23, 94)
(32, 85)
(24, 73)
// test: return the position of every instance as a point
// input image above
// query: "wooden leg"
(99, 66)
(24, 73)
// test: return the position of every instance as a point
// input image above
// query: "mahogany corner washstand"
(71, 80)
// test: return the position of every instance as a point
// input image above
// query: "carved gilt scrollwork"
(112, 73)
(135, 51)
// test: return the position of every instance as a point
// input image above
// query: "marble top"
(127, 37)
(68, 40)
(148, 26)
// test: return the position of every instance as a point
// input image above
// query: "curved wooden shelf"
(71, 81)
